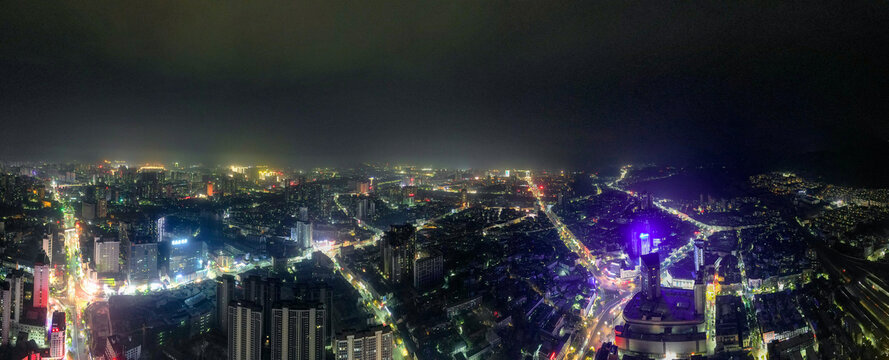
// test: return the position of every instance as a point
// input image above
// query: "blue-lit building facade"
(188, 258)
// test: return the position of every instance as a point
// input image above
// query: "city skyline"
(460, 180)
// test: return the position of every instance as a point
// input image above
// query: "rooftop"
(672, 305)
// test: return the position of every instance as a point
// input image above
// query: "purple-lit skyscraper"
(645, 243)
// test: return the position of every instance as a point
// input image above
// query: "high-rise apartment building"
(225, 293)
(5, 312)
(373, 344)
(40, 297)
(57, 335)
(244, 330)
(298, 331)
(318, 293)
(302, 234)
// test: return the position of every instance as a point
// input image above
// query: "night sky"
(445, 83)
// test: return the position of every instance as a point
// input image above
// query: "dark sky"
(453, 83)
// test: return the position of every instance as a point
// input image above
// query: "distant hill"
(865, 164)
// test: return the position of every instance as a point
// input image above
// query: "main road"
(69, 301)
(598, 325)
(374, 305)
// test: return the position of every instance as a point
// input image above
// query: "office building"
(373, 344)
(57, 335)
(399, 249)
(428, 269)
(107, 255)
(186, 258)
(142, 263)
(298, 331)
(244, 330)
(651, 276)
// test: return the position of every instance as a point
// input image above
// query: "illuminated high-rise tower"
(645, 243)
(651, 276)
(699, 255)
(40, 296)
(57, 335)
(161, 229)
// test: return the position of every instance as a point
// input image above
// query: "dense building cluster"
(394, 262)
